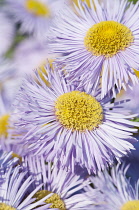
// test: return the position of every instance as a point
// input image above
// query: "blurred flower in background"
(34, 16)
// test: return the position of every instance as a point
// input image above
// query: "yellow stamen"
(107, 38)
(136, 72)
(4, 206)
(131, 205)
(37, 8)
(3, 125)
(78, 111)
(54, 199)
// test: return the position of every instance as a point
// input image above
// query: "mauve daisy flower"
(68, 188)
(14, 191)
(35, 16)
(117, 190)
(70, 123)
(7, 31)
(99, 41)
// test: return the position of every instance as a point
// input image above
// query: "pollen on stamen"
(107, 38)
(37, 8)
(4, 206)
(55, 199)
(78, 111)
(131, 205)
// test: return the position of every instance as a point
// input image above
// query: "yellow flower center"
(4, 206)
(136, 72)
(3, 125)
(107, 38)
(78, 111)
(54, 199)
(37, 8)
(131, 205)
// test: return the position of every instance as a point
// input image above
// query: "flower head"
(67, 187)
(35, 16)
(117, 190)
(14, 191)
(100, 41)
(70, 123)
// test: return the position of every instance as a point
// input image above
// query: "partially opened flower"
(70, 123)
(14, 191)
(35, 16)
(101, 40)
(117, 190)
(67, 187)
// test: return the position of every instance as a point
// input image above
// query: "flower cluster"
(69, 115)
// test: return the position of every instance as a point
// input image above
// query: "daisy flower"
(7, 31)
(99, 41)
(119, 193)
(14, 191)
(70, 123)
(35, 16)
(67, 188)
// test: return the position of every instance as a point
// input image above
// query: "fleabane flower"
(70, 123)
(116, 188)
(100, 40)
(35, 16)
(14, 191)
(67, 187)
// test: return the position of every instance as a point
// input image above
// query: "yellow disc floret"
(136, 72)
(4, 125)
(54, 199)
(107, 38)
(131, 205)
(4, 206)
(37, 8)
(78, 111)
